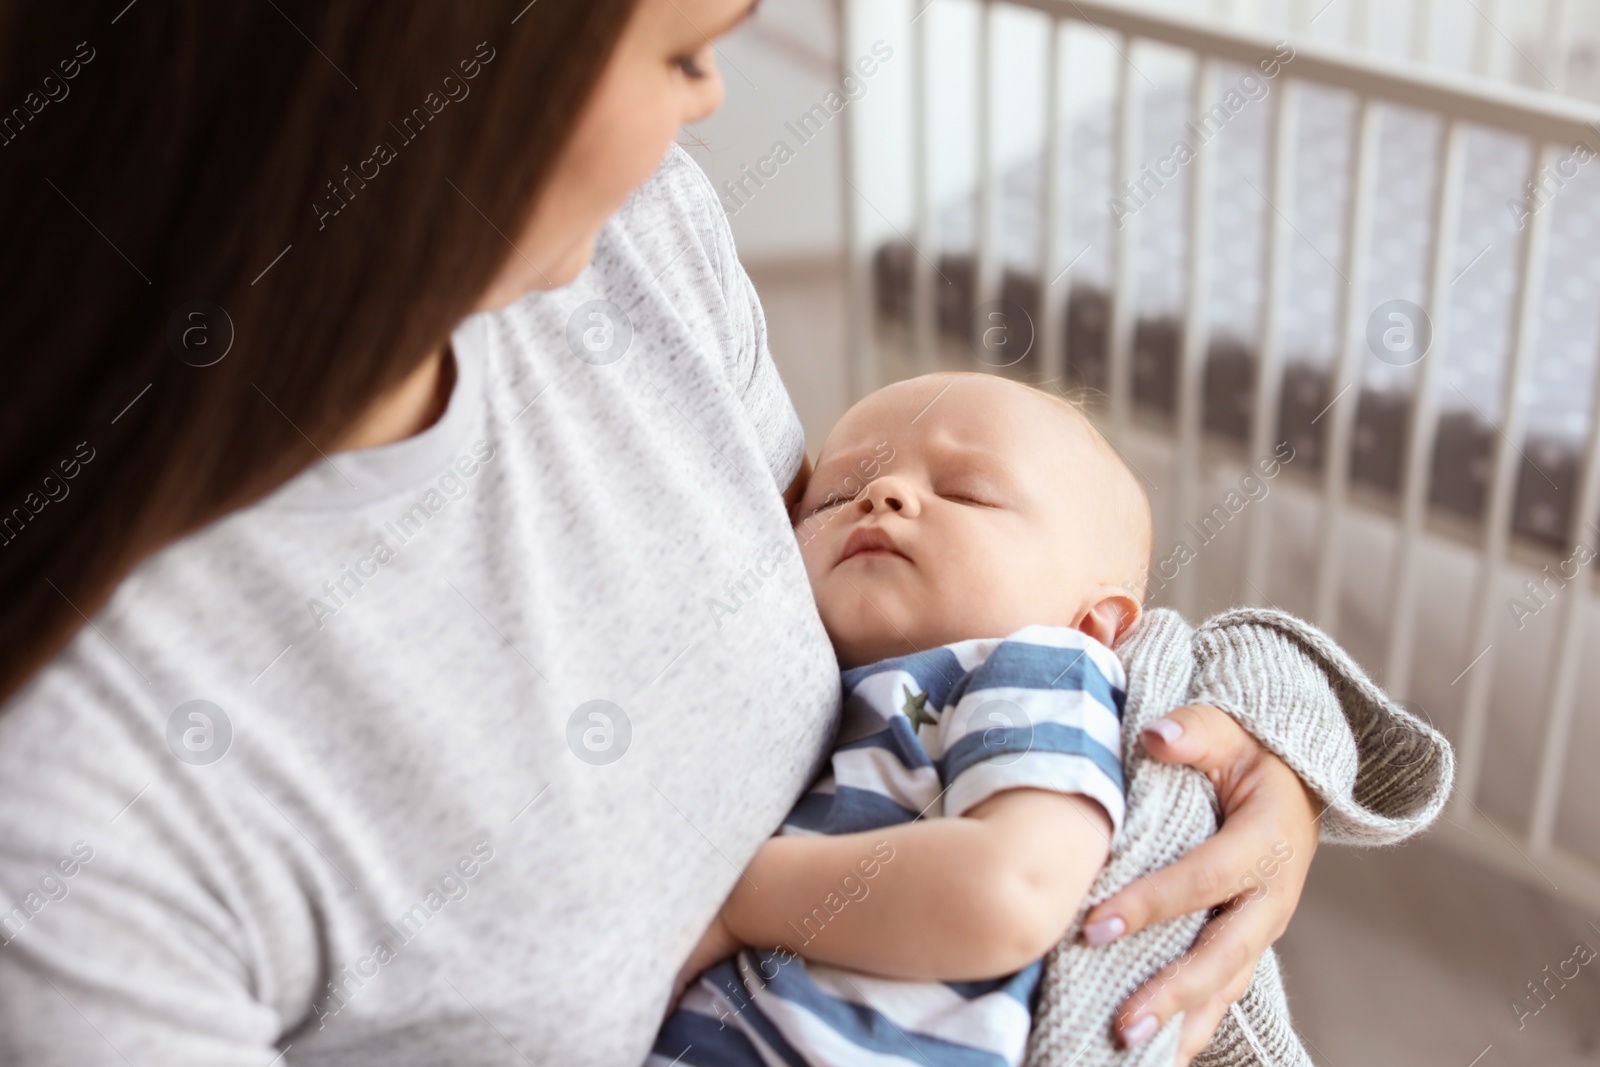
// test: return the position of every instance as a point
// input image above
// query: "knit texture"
(1382, 774)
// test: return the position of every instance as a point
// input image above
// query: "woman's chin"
(569, 266)
(529, 278)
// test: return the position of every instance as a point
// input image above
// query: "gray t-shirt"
(394, 829)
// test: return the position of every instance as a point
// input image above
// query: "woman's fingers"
(1265, 815)
(1202, 737)
(1198, 1026)
(1214, 872)
(1202, 982)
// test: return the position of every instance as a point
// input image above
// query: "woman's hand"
(1252, 870)
(716, 945)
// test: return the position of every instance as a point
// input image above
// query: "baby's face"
(956, 506)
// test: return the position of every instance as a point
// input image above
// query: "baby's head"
(955, 506)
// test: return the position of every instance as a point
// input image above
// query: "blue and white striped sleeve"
(1043, 711)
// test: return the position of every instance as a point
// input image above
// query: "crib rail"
(1549, 50)
(1550, 123)
(1488, 48)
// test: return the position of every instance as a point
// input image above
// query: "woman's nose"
(891, 494)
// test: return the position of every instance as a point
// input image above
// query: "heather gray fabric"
(554, 540)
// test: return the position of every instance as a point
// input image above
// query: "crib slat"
(1124, 295)
(986, 278)
(1344, 394)
(860, 350)
(1052, 297)
(1502, 491)
(1424, 416)
(1269, 341)
(1422, 31)
(1486, 40)
(1300, 17)
(1196, 328)
(1359, 32)
(924, 333)
(1575, 602)
(1555, 60)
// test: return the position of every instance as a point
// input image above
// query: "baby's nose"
(891, 495)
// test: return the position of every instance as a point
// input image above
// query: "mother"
(402, 656)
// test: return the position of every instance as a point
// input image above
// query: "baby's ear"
(1109, 617)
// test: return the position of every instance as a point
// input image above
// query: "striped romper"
(924, 736)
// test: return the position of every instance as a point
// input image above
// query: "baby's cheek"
(828, 605)
(999, 593)
(811, 554)
(852, 626)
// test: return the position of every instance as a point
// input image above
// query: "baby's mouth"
(870, 540)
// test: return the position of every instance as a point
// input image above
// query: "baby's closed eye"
(969, 493)
(827, 503)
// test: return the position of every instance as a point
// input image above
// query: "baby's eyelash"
(690, 66)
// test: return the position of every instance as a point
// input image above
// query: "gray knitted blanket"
(1383, 774)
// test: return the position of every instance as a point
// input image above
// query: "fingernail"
(1169, 730)
(1105, 931)
(1141, 1030)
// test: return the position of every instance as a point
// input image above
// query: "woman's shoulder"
(674, 216)
(665, 279)
(678, 189)
(665, 265)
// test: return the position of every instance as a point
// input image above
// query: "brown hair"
(176, 176)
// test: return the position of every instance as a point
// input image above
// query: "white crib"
(1395, 481)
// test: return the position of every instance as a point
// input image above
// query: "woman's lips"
(870, 540)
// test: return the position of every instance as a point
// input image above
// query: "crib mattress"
(1474, 343)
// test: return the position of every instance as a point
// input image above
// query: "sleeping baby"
(972, 589)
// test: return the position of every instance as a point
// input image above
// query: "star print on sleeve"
(915, 708)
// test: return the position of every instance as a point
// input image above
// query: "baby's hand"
(716, 945)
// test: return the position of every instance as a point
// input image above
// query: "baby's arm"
(957, 899)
